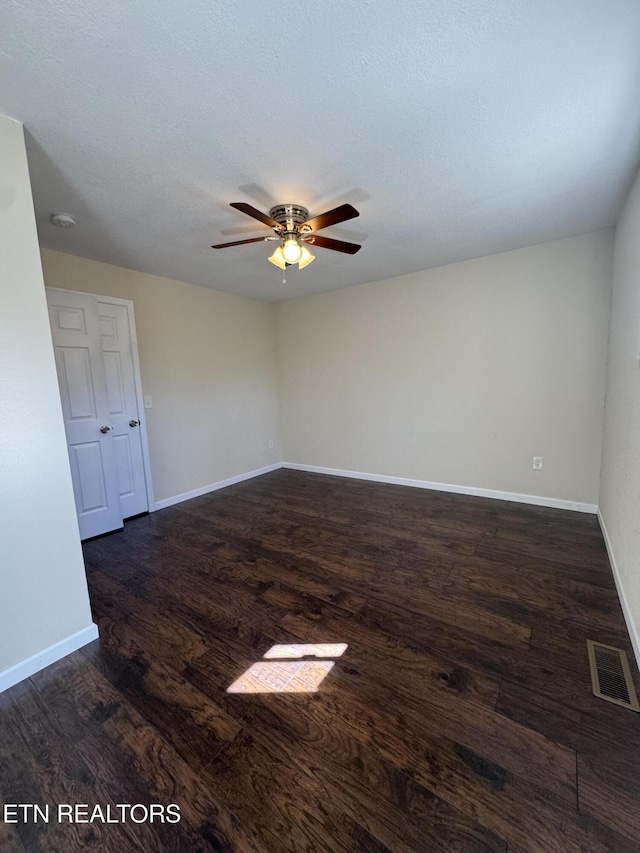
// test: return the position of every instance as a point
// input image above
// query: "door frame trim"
(137, 376)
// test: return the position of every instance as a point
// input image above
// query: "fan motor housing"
(289, 215)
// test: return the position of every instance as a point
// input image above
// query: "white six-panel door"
(125, 418)
(75, 328)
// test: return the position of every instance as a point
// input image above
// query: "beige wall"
(620, 488)
(43, 589)
(457, 375)
(207, 360)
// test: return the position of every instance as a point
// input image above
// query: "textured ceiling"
(458, 128)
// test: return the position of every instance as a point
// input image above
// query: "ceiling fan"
(295, 232)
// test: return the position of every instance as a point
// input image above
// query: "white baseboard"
(19, 671)
(536, 500)
(634, 633)
(212, 487)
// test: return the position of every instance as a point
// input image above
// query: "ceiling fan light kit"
(278, 258)
(295, 231)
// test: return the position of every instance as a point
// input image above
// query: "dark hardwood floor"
(459, 718)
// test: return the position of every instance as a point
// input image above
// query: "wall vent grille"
(611, 676)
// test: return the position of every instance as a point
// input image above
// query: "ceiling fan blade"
(241, 242)
(336, 245)
(331, 217)
(257, 214)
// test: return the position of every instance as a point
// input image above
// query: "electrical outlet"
(537, 463)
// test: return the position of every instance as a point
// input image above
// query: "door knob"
(133, 423)
(104, 429)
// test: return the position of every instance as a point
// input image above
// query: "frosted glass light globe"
(291, 251)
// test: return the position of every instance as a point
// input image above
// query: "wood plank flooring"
(460, 717)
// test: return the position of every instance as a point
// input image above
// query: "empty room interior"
(320, 426)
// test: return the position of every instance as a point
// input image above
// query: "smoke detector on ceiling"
(63, 220)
